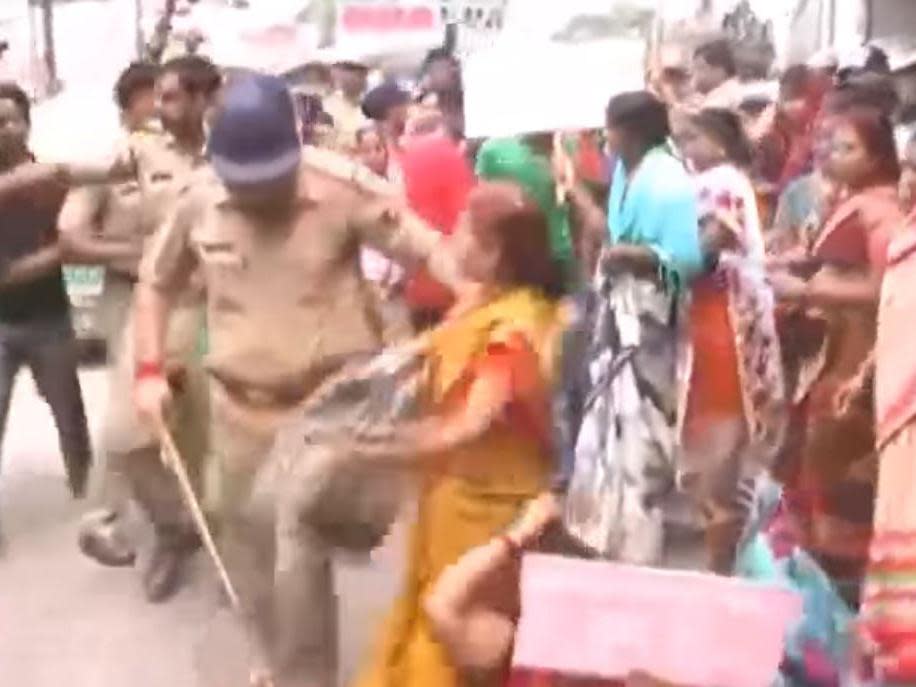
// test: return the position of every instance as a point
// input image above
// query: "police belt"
(262, 396)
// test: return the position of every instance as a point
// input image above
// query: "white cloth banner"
(519, 86)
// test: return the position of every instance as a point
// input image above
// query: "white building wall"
(893, 18)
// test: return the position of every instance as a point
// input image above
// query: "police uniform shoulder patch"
(343, 168)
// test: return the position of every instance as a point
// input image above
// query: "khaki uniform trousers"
(134, 465)
(111, 492)
(281, 568)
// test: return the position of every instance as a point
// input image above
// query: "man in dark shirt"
(35, 328)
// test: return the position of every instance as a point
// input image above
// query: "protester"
(889, 630)
(526, 160)
(112, 227)
(437, 179)
(113, 239)
(865, 90)
(474, 606)
(35, 327)
(715, 76)
(486, 445)
(805, 202)
(388, 106)
(785, 152)
(274, 230)
(643, 276)
(370, 149)
(735, 406)
(440, 77)
(345, 104)
(831, 492)
(384, 274)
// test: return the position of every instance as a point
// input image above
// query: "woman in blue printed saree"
(617, 412)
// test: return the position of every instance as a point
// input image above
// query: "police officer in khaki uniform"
(112, 227)
(100, 226)
(276, 232)
(345, 104)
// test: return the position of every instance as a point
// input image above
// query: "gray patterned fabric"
(620, 462)
(352, 502)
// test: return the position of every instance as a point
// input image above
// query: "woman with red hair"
(485, 446)
(830, 476)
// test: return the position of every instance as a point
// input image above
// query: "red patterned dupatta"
(725, 193)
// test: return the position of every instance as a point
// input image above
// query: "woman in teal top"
(652, 212)
(617, 465)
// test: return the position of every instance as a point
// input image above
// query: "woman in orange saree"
(888, 618)
(830, 486)
(486, 446)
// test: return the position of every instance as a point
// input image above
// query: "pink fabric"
(605, 620)
(438, 179)
(895, 387)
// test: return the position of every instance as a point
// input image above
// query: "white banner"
(519, 86)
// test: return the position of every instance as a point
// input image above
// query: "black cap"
(255, 138)
(381, 99)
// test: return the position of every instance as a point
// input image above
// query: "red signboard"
(388, 17)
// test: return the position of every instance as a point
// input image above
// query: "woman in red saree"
(786, 148)
(830, 481)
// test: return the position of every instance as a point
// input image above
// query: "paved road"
(66, 621)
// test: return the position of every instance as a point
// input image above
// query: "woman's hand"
(624, 257)
(538, 516)
(857, 392)
(787, 287)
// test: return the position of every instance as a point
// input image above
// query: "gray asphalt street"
(65, 621)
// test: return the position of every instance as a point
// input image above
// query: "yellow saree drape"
(473, 493)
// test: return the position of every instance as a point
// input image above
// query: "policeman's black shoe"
(165, 572)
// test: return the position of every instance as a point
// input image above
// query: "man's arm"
(80, 242)
(165, 272)
(383, 221)
(37, 175)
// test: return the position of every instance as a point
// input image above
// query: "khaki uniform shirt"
(286, 298)
(133, 210)
(348, 120)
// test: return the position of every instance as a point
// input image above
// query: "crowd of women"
(683, 347)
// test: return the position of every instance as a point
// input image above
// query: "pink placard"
(586, 618)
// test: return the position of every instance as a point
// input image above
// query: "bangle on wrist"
(148, 370)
